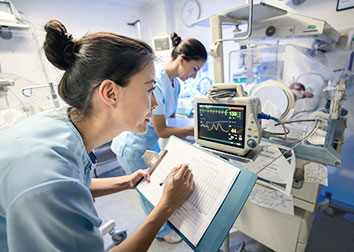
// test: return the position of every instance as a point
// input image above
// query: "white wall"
(21, 56)
(155, 14)
(208, 8)
(79, 16)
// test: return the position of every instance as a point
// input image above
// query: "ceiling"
(131, 3)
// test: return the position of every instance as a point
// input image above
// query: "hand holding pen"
(178, 186)
(170, 176)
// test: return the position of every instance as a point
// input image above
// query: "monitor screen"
(5, 7)
(162, 43)
(221, 123)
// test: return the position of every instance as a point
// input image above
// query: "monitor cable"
(222, 93)
(269, 117)
(269, 134)
(295, 121)
(313, 131)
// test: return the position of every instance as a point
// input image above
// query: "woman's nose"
(154, 103)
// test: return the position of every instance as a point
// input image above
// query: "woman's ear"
(181, 60)
(109, 92)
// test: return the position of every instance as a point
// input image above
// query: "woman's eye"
(151, 89)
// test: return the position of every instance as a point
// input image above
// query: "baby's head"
(299, 91)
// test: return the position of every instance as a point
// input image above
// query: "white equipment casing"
(10, 17)
(252, 128)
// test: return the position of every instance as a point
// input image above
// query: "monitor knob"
(270, 31)
(251, 143)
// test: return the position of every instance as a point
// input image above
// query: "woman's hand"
(135, 177)
(178, 188)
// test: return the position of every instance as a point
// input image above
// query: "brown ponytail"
(92, 59)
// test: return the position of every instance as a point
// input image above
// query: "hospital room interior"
(270, 106)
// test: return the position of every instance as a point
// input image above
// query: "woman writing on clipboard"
(187, 57)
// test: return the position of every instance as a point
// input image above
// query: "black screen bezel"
(220, 104)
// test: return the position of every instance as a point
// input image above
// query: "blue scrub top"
(166, 94)
(45, 202)
(130, 146)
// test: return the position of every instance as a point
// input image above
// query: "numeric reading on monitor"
(222, 123)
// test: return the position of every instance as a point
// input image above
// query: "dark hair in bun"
(59, 45)
(189, 49)
(90, 60)
(175, 39)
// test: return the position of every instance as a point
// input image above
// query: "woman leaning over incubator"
(46, 190)
(188, 56)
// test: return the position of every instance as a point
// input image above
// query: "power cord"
(269, 117)
(295, 121)
(313, 131)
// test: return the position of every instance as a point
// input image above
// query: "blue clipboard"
(228, 212)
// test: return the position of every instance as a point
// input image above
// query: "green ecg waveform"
(214, 127)
(222, 112)
(215, 111)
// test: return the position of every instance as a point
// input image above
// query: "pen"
(168, 178)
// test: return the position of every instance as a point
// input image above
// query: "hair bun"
(175, 39)
(59, 45)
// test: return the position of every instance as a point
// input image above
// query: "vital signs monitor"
(226, 119)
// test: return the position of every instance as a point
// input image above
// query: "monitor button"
(251, 143)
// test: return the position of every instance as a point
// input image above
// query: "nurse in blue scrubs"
(187, 57)
(46, 190)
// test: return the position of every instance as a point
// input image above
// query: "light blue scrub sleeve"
(161, 108)
(56, 216)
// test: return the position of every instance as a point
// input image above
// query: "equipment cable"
(313, 131)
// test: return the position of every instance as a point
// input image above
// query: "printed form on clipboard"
(213, 179)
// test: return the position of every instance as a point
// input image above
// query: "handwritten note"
(272, 199)
(316, 173)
